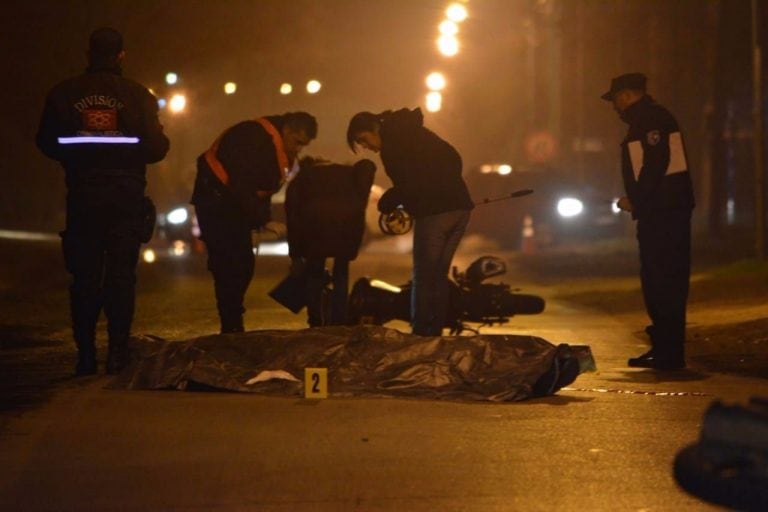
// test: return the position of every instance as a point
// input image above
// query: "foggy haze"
(524, 66)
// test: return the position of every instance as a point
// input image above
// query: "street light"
(171, 78)
(434, 101)
(456, 13)
(448, 28)
(313, 86)
(436, 81)
(286, 88)
(230, 88)
(178, 103)
(448, 45)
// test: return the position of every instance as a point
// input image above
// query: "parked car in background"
(176, 236)
(561, 209)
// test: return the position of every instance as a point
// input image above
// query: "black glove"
(390, 200)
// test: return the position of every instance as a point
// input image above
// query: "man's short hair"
(302, 121)
(105, 42)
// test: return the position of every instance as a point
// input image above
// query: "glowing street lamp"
(434, 101)
(456, 13)
(448, 28)
(171, 78)
(286, 88)
(436, 81)
(178, 103)
(313, 86)
(448, 45)
(230, 88)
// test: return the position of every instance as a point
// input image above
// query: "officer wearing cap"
(659, 195)
(104, 130)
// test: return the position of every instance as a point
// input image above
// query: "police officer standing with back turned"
(104, 130)
(659, 195)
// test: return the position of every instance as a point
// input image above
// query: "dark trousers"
(101, 248)
(435, 240)
(227, 238)
(665, 268)
(323, 308)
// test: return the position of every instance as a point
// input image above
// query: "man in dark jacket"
(325, 208)
(660, 198)
(426, 175)
(236, 179)
(104, 129)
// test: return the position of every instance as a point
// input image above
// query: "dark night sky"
(369, 54)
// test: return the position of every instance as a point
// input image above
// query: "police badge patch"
(100, 120)
(653, 137)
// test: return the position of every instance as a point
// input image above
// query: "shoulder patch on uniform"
(653, 137)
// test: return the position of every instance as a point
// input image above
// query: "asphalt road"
(607, 442)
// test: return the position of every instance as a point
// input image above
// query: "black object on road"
(470, 299)
(362, 360)
(291, 292)
(729, 464)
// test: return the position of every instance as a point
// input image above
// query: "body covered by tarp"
(361, 361)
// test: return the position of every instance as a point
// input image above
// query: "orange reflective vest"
(282, 158)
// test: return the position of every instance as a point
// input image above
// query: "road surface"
(607, 442)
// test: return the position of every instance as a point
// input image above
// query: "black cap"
(105, 42)
(629, 81)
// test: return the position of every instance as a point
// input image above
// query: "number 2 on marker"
(316, 383)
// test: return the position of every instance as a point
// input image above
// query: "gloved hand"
(624, 204)
(390, 200)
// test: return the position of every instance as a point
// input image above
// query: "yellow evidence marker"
(315, 382)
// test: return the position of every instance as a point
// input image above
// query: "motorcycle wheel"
(521, 304)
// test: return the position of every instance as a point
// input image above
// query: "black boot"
(231, 324)
(86, 361)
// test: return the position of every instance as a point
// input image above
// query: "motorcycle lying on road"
(471, 300)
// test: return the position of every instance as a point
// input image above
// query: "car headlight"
(569, 207)
(177, 216)
(179, 249)
(148, 256)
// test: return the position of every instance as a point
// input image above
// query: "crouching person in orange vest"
(236, 179)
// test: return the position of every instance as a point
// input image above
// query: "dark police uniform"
(104, 129)
(658, 184)
(235, 181)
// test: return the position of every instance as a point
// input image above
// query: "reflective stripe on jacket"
(654, 163)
